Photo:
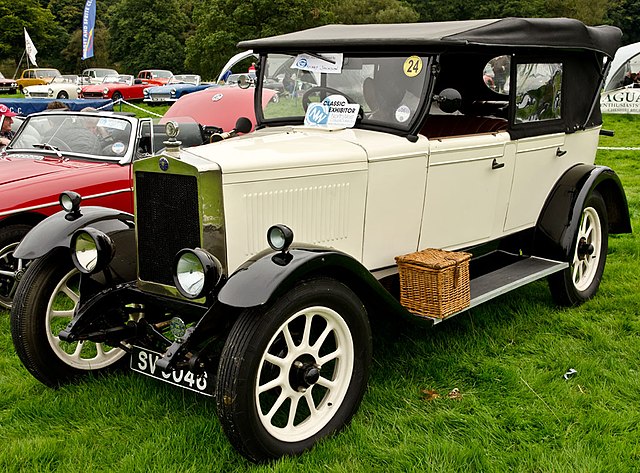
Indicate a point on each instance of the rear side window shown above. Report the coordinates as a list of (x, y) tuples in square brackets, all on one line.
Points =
[(538, 92)]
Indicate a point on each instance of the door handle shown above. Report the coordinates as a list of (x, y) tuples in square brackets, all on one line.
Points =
[(560, 152), (496, 165)]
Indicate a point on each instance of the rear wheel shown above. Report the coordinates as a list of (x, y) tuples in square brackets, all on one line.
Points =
[(11, 269), (45, 302), (581, 280), (296, 372)]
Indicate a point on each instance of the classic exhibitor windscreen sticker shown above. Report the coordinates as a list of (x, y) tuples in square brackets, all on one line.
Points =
[(334, 111)]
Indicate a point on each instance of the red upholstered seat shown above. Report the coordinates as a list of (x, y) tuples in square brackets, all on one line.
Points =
[(441, 126)]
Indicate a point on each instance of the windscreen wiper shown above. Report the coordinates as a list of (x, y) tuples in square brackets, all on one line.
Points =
[(48, 147)]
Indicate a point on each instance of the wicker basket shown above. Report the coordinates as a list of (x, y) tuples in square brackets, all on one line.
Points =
[(434, 283)]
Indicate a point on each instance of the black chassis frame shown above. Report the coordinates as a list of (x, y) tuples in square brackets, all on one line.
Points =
[(110, 301)]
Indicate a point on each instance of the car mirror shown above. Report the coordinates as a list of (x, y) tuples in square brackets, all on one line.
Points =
[(244, 82), (449, 100)]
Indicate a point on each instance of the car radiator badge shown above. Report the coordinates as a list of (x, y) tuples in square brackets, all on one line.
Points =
[(163, 163)]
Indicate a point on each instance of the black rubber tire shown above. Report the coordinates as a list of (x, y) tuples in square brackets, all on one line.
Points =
[(10, 236), (29, 323), (562, 286), (249, 340), (63, 95), (116, 96)]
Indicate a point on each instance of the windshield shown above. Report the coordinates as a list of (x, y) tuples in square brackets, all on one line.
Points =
[(388, 90), (105, 138), (159, 74), (121, 79), (48, 73), (185, 79)]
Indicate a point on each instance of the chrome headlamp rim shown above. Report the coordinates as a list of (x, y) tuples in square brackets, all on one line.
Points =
[(91, 250), (209, 266)]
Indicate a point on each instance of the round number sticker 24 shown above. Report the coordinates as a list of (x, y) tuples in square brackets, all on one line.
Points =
[(412, 66)]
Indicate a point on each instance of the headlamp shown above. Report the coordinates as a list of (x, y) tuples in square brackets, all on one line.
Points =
[(196, 272), (105, 91), (280, 237), (70, 202), (91, 250)]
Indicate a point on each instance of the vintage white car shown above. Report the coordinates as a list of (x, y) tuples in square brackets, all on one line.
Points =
[(254, 264), (61, 87)]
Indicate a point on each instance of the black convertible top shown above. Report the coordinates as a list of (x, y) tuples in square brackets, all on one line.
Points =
[(556, 33)]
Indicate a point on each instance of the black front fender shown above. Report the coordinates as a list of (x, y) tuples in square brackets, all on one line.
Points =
[(56, 231), (269, 275), (561, 214)]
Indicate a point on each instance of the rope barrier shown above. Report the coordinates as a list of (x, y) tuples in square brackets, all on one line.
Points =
[(619, 148), (123, 101)]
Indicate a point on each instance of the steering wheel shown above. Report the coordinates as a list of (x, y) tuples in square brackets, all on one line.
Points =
[(59, 143), (319, 89)]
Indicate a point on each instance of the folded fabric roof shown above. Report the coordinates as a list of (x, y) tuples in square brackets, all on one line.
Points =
[(557, 33)]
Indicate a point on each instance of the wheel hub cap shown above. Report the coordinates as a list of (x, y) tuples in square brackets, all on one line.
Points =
[(304, 375), (585, 249)]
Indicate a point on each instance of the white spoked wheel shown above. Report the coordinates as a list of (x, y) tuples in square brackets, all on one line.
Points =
[(294, 372), (586, 258), (45, 302), (302, 378), (60, 309)]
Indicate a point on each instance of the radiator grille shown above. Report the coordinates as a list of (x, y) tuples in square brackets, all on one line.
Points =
[(167, 220)]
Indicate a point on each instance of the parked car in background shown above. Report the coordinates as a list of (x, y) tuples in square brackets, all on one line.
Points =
[(38, 76), (178, 85), (122, 86), (95, 75), (61, 87), (90, 153), (226, 103), (7, 86), (155, 76)]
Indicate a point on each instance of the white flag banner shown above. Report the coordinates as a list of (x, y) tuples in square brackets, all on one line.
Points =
[(31, 49)]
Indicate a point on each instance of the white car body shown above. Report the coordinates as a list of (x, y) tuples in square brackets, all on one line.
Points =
[(61, 87)]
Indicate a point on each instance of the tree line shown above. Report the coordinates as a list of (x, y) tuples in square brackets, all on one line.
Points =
[(198, 36)]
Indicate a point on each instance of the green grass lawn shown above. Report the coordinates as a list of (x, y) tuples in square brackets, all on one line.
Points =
[(515, 412)]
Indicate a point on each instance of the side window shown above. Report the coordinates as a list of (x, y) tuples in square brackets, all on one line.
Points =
[(538, 92), (496, 74)]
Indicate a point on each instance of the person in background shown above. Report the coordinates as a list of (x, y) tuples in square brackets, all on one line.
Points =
[(56, 105), (6, 133)]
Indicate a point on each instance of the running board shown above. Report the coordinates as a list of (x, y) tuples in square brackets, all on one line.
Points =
[(506, 279)]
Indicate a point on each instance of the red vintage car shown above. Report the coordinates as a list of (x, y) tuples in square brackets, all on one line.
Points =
[(155, 76), (122, 86), (86, 152)]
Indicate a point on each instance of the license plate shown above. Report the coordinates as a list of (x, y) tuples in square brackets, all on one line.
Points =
[(144, 361)]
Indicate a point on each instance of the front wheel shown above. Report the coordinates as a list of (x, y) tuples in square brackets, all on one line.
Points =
[(45, 302), (581, 280), (296, 372), (116, 96)]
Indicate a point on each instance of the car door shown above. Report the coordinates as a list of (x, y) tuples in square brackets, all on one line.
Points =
[(468, 183)]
